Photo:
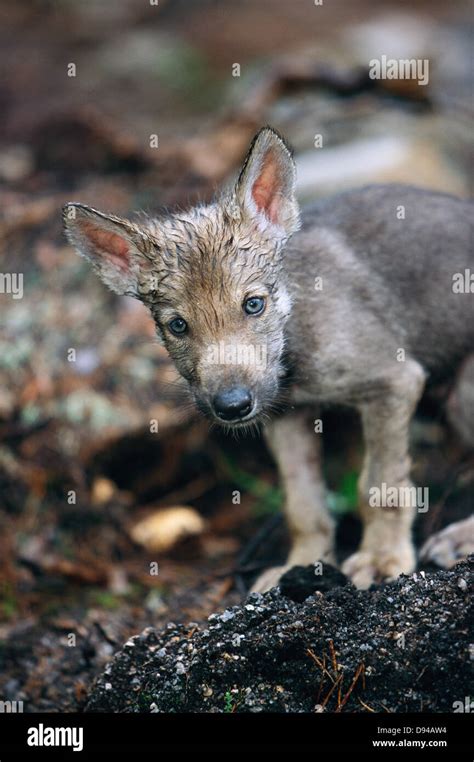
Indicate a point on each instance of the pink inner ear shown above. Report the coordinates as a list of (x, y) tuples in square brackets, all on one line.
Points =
[(111, 245), (266, 188)]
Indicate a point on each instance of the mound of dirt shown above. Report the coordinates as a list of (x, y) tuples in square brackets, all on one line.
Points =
[(399, 647)]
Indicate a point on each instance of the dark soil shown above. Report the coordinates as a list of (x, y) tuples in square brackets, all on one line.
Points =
[(397, 648)]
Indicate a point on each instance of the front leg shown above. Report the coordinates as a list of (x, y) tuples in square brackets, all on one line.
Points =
[(387, 498), (297, 451)]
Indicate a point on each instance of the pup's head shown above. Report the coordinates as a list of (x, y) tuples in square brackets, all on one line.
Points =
[(212, 279)]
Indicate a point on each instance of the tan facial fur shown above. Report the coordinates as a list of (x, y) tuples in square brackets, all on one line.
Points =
[(200, 267)]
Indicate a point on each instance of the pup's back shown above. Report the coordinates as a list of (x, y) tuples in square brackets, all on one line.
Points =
[(399, 253)]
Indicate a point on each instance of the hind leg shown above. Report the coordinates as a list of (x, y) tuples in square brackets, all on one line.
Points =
[(460, 407), (450, 545), (456, 541)]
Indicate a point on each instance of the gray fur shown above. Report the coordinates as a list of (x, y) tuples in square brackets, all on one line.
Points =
[(387, 284)]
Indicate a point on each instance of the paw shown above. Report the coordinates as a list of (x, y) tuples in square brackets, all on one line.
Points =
[(367, 566), (269, 578), (451, 545), (306, 550)]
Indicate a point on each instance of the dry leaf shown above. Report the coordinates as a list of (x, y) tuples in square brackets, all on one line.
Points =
[(162, 530)]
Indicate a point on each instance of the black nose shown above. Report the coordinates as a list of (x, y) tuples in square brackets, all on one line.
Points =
[(233, 404)]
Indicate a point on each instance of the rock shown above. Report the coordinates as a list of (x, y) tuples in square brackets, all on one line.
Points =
[(400, 647)]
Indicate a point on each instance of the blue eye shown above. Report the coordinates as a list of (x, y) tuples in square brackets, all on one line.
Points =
[(254, 305), (178, 326)]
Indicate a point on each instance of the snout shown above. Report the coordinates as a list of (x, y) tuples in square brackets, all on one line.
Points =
[(233, 404)]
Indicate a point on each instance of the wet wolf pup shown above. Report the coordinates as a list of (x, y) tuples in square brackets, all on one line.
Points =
[(265, 312)]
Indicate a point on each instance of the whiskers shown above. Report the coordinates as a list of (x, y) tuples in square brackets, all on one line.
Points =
[(247, 428), (177, 391)]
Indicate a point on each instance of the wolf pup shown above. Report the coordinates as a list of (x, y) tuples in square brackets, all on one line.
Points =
[(357, 302)]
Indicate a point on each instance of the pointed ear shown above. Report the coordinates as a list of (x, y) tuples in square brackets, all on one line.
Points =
[(265, 190), (115, 247)]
